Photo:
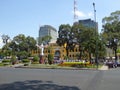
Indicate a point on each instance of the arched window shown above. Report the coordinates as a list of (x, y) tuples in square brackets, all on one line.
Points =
[(57, 53), (73, 55)]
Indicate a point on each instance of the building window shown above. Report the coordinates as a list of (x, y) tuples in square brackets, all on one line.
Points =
[(73, 55), (76, 50)]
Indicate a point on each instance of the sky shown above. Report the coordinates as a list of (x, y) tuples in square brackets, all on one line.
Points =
[(26, 16)]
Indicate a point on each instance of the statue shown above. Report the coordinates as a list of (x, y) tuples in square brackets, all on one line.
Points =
[(41, 54)]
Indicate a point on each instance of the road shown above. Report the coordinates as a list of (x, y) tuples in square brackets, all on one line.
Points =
[(56, 79)]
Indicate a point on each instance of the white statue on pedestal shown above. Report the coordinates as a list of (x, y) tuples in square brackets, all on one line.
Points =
[(41, 47)]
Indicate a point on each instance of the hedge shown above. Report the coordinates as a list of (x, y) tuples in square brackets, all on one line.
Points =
[(26, 62), (6, 62)]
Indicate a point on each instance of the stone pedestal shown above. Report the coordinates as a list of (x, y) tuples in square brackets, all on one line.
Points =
[(41, 61)]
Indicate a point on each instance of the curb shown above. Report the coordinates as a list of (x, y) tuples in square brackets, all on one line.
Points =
[(27, 67)]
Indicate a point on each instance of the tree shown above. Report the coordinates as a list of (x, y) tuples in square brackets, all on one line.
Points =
[(31, 43), (90, 43), (44, 39), (36, 59), (86, 39), (19, 40), (22, 55), (111, 31), (13, 60), (6, 49), (21, 45), (14, 47), (50, 58), (65, 37), (5, 38), (81, 34)]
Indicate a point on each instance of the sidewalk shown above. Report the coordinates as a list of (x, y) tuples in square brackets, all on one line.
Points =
[(104, 67), (17, 65)]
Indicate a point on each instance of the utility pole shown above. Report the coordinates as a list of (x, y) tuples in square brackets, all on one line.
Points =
[(96, 31)]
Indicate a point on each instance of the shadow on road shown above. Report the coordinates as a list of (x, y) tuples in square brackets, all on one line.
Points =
[(35, 85)]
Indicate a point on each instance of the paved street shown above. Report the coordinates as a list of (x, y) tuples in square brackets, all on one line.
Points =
[(55, 79)]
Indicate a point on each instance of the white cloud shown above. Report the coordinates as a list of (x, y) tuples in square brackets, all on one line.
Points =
[(80, 14), (90, 14), (1, 42), (84, 15)]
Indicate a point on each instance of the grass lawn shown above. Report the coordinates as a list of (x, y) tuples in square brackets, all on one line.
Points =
[(1, 64), (48, 66)]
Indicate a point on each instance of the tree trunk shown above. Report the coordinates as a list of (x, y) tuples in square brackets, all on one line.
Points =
[(80, 50), (90, 57), (115, 50), (67, 53)]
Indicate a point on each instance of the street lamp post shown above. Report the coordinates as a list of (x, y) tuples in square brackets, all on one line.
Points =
[(94, 14), (115, 48), (96, 49)]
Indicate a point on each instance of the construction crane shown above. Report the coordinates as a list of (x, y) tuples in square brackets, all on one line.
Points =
[(75, 11)]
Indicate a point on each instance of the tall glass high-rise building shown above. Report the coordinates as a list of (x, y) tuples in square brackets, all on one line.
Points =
[(89, 23), (47, 30)]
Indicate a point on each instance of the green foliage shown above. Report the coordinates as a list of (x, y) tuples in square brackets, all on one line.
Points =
[(111, 31), (1, 64), (13, 59), (25, 60), (50, 59), (31, 42), (20, 43), (1, 54), (5, 38), (35, 63), (44, 39), (65, 37), (35, 59), (6, 62), (63, 34), (111, 26), (118, 50), (22, 55), (66, 57), (87, 39)]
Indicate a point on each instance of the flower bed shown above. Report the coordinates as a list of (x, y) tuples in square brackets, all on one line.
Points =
[(75, 64)]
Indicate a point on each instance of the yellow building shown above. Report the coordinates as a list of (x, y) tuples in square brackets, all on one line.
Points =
[(59, 52)]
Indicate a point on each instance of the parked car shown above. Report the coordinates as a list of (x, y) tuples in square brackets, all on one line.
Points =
[(112, 64)]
